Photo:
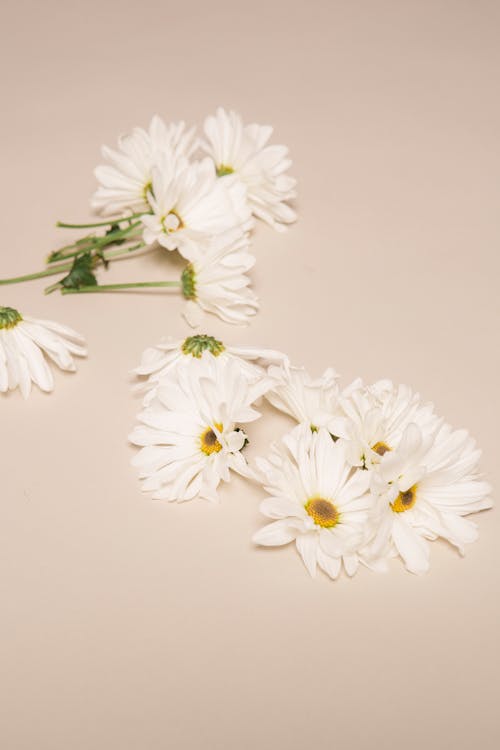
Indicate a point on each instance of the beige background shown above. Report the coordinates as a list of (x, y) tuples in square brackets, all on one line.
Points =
[(127, 624)]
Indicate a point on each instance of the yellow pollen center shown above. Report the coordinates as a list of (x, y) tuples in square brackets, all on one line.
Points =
[(172, 222), (405, 500), (323, 512), (208, 440), (223, 170), (380, 448)]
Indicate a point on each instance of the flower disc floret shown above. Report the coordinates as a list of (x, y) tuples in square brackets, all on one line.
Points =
[(196, 345)]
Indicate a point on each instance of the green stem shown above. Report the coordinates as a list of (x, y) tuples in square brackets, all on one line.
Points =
[(118, 287), (52, 288), (106, 256), (122, 251), (31, 276), (80, 246), (93, 242), (110, 222), (110, 238), (96, 246)]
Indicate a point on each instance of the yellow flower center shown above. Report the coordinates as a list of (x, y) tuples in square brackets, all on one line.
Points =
[(208, 440), (380, 448), (172, 222), (323, 512), (223, 170), (405, 500)]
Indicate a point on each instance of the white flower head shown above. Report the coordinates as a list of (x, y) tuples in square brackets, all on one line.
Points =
[(26, 347), (127, 180), (317, 500), (426, 484), (372, 419), (190, 205), (313, 401), (243, 150), (160, 361), (216, 280), (191, 432)]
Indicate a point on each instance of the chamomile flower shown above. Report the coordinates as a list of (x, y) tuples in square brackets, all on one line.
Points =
[(243, 150), (316, 500), (313, 401), (215, 280), (425, 486), (126, 181), (371, 420), (190, 205), (157, 362), (28, 345), (192, 433)]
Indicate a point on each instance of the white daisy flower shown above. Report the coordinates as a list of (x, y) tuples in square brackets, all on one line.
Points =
[(157, 362), (244, 151), (313, 401), (126, 181), (372, 419), (190, 205), (216, 282), (426, 485), (317, 500), (27, 345), (191, 434)]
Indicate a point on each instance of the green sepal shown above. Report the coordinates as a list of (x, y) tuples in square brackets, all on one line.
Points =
[(196, 345), (188, 282), (9, 317)]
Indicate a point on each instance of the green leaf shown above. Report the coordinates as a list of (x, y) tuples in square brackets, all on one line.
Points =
[(114, 228), (81, 273)]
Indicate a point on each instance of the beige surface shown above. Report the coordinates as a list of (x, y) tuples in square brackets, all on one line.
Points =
[(128, 624)]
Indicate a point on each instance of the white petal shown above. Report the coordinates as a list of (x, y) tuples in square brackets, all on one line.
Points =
[(307, 545), (275, 534), (413, 548), (193, 314)]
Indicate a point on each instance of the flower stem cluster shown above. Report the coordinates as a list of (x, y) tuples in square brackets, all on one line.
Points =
[(166, 187)]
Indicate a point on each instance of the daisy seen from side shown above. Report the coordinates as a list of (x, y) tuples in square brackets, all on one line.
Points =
[(29, 345), (216, 281), (158, 361)]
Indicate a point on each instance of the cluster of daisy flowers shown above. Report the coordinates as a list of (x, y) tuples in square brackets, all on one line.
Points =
[(367, 473), (198, 195)]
